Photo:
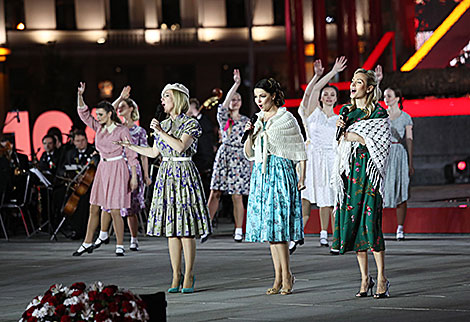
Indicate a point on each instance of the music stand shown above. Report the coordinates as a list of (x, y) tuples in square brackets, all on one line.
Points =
[(49, 188)]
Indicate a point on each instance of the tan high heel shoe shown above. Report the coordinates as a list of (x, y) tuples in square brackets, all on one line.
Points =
[(273, 291)]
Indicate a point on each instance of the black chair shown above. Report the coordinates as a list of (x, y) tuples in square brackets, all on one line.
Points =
[(18, 201)]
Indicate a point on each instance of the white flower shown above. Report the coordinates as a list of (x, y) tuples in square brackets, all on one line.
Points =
[(71, 301), (56, 289)]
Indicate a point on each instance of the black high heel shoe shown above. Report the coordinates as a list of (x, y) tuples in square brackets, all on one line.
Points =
[(384, 294), (299, 242), (370, 285), (88, 250)]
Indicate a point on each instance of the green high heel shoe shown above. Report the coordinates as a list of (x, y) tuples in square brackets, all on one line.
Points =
[(189, 289), (176, 289)]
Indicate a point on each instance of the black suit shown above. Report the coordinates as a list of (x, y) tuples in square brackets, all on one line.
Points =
[(204, 157), (49, 161)]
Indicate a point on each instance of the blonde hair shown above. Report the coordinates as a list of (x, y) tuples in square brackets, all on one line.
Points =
[(135, 116), (180, 102), (373, 96)]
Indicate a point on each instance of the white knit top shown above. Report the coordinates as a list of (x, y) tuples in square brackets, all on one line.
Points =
[(281, 137)]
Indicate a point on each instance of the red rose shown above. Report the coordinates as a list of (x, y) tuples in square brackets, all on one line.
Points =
[(110, 290), (128, 296), (60, 309), (32, 319), (65, 318), (78, 286), (45, 299), (31, 310), (76, 308), (97, 307), (92, 295), (53, 300), (113, 307), (101, 317), (77, 292), (126, 306)]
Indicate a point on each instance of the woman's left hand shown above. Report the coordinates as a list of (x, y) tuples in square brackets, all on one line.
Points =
[(134, 183), (301, 184)]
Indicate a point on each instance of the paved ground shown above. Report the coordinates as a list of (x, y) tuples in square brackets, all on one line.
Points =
[(428, 274)]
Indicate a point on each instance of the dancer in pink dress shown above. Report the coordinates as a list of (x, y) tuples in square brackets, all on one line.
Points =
[(111, 187)]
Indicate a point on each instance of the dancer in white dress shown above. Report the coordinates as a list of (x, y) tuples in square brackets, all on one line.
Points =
[(400, 165), (316, 110)]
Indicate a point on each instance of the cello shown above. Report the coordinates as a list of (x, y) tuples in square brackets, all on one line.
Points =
[(80, 185)]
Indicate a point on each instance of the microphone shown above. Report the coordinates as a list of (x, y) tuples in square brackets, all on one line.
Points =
[(340, 130), (253, 120)]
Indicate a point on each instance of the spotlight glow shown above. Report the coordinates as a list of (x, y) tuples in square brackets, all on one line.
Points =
[(462, 165)]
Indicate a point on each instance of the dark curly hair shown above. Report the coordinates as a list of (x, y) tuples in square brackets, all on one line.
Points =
[(271, 86), (108, 107)]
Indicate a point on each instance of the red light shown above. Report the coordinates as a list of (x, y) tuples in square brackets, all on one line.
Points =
[(462, 165), (463, 206)]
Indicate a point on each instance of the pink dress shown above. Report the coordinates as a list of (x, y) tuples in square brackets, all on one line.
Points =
[(110, 188)]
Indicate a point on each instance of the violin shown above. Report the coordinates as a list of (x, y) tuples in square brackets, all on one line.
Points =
[(212, 101), (80, 185)]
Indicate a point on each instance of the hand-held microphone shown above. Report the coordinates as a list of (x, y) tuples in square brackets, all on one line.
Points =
[(340, 130), (253, 120)]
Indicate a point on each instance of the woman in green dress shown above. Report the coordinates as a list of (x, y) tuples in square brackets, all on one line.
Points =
[(358, 178)]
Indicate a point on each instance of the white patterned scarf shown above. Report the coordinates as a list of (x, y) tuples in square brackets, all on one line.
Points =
[(281, 137), (376, 134)]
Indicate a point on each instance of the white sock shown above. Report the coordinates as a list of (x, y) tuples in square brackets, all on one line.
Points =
[(83, 246), (103, 235), (324, 234), (134, 240), (400, 228), (238, 231), (119, 248)]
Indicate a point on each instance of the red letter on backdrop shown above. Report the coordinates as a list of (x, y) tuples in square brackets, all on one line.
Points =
[(44, 122)]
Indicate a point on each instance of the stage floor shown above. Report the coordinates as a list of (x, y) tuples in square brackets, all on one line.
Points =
[(428, 274)]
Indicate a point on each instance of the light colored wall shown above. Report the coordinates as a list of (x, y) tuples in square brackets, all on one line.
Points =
[(150, 14), (89, 14), (263, 12), (212, 13), (39, 14), (3, 33)]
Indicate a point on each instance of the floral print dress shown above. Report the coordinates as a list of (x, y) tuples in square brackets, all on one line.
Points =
[(231, 172), (358, 222), (274, 211), (178, 206)]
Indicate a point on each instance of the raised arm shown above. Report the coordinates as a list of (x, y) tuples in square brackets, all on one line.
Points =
[(304, 107), (151, 152), (237, 81), (314, 101), (124, 94), (83, 111)]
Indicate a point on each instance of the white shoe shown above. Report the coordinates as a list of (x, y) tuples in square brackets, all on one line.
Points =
[(238, 237), (120, 251), (324, 238), (204, 238), (134, 246), (400, 235)]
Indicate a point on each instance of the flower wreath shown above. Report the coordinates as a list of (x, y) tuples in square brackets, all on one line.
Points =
[(79, 303)]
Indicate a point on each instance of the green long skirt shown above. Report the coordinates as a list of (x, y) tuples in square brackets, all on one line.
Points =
[(358, 222)]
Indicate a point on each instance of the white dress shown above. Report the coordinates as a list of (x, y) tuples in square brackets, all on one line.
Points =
[(320, 158)]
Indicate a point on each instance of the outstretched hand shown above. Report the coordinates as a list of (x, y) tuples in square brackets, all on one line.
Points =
[(340, 64), (318, 68), (378, 73), (236, 76), (81, 88), (126, 92), (124, 143)]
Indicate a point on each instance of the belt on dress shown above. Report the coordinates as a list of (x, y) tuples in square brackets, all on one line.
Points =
[(176, 159), (395, 142), (112, 159)]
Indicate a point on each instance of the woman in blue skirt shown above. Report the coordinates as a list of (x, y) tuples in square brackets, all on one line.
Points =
[(274, 211)]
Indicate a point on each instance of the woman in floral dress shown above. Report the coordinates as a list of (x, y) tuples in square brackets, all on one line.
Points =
[(178, 209), (231, 172), (274, 212), (358, 176)]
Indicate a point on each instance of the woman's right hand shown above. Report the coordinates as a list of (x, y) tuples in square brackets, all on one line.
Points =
[(236, 76), (318, 68), (340, 64), (249, 126), (340, 122), (126, 92), (81, 89), (155, 125)]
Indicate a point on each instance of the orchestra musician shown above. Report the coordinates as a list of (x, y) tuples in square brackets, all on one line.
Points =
[(49, 158)]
